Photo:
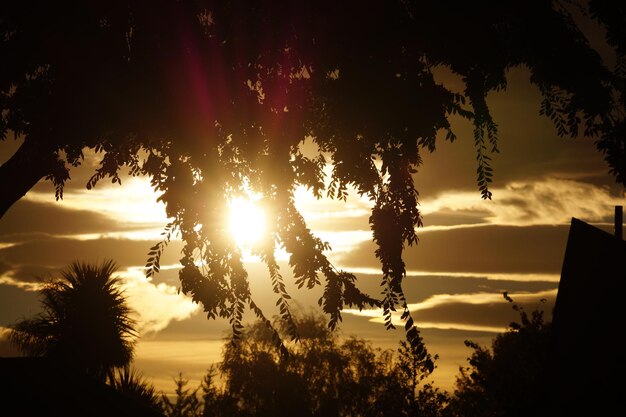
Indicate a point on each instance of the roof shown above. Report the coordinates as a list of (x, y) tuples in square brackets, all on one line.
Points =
[(588, 320), (593, 281)]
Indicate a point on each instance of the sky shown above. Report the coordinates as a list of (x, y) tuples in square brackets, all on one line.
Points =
[(470, 250)]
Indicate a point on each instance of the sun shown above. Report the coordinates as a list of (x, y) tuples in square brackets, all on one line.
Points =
[(246, 222)]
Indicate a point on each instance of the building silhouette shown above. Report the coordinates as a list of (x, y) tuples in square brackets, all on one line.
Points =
[(589, 321)]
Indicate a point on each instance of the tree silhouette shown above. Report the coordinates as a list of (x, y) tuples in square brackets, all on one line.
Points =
[(322, 376), (132, 384), (213, 99), (513, 378), (85, 322), (186, 403), (413, 366)]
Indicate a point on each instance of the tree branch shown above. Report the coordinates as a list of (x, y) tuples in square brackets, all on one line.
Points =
[(22, 171)]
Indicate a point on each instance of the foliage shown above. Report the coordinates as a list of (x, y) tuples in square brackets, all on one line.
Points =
[(322, 376), (186, 404), (213, 100), (215, 403), (132, 384), (511, 378), (413, 366), (85, 322)]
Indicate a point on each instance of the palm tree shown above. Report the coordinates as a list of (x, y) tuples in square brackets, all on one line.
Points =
[(86, 322)]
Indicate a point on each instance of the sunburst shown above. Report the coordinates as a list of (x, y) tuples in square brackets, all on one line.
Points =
[(247, 222)]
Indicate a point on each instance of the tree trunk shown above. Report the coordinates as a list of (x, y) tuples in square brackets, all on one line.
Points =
[(30, 163)]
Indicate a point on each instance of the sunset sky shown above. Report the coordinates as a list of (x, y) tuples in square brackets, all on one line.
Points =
[(470, 250)]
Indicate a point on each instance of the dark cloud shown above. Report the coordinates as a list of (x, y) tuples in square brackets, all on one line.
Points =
[(31, 273), (418, 288), (480, 249), (460, 315), (59, 252), (23, 237), (4, 267), (17, 303), (28, 217), (494, 314)]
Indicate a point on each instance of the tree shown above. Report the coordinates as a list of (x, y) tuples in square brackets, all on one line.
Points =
[(321, 376), (215, 402), (213, 100), (186, 403), (85, 323), (513, 378), (132, 384), (258, 382), (412, 367)]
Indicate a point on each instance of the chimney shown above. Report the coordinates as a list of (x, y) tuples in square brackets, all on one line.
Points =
[(618, 222)]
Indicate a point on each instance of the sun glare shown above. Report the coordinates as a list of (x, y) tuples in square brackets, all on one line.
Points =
[(246, 222)]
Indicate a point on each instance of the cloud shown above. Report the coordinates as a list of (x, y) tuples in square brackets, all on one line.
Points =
[(133, 202), (59, 252), (79, 176), (28, 277), (478, 249), (461, 302), (327, 214), (31, 217), (443, 215), (4, 267), (16, 303), (107, 207), (479, 311), (546, 201), (418, 288), (338, 223), (156, 305)]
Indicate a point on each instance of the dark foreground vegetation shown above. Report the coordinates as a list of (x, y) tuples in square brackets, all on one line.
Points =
[(329, 376), (322, 374)]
